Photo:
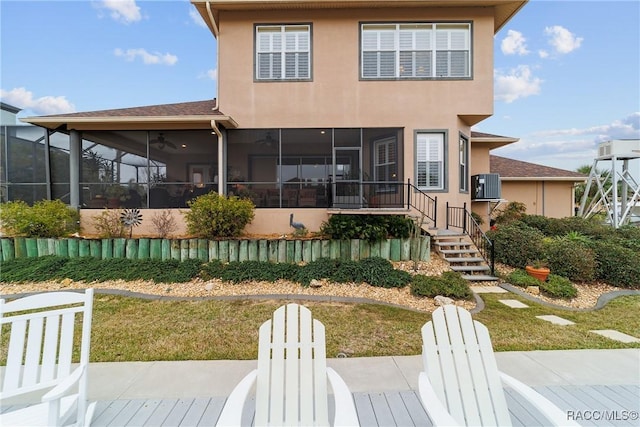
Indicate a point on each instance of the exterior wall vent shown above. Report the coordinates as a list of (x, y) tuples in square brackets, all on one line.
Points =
[(485, 186)]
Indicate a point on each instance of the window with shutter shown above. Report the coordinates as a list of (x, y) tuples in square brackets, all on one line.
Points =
[(283, 52), (430, 161), (415, 51), (464, 163)]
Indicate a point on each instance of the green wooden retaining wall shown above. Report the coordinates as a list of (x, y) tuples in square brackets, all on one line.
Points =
[(279, 250)]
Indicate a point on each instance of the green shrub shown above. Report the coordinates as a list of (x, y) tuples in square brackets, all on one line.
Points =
[(31, 269), (516, 244), (212, 270), (380, 272), (319, 269), (558, 287), (367, 227), (213, 215), (617, 265), (46, 218), (513, 211), (521, 279), (449, 284), (571, 257), (347, 271)]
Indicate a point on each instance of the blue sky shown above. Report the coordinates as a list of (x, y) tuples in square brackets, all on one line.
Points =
[(567, 73)]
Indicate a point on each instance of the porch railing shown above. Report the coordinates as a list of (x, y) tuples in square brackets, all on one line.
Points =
[(389, 195), (460, 217)]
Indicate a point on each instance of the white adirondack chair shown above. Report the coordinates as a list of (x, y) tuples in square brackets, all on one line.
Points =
[(462, 384), (39, 354), (291, 378)]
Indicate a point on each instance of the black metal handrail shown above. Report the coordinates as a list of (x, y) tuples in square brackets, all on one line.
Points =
[(460, 217), (422, 202)]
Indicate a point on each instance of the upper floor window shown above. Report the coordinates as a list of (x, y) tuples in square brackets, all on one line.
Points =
[(415, 50), (283, 52)]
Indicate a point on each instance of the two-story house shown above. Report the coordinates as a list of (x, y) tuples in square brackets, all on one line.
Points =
[(322, 107)]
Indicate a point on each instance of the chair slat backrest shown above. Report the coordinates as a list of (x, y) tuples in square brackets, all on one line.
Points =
[(461, 366), (292, 379), (42, 338)]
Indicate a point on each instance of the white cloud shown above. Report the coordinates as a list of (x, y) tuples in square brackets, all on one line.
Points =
[(22, 98), (125, 11), (147, 58), (514, 43), (626, 128), (543, 53), (195, 17), (210, 74), (562, 40), (518, 83)]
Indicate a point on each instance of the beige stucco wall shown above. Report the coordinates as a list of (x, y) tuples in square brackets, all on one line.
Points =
[(336, 97), (553, 199), (267, 222)]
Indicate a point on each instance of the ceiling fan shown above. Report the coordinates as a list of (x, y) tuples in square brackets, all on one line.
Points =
[(162, 142), (268, 140)]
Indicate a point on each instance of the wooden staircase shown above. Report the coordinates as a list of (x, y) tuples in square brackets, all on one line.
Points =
[(462, 255)]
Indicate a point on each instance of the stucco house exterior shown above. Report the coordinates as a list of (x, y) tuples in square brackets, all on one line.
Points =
[(544, 190), (322, 108)]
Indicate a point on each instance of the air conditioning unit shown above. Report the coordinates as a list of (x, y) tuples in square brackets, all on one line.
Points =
[(485, 186), (619, 148)]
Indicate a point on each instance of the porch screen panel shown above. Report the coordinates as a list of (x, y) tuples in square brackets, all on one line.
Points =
[(430, 161)]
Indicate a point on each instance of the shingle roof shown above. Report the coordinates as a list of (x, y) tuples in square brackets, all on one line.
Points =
[(194, 108), (510, 168)]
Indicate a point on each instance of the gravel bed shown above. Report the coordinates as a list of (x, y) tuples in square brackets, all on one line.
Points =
[(587, 293)]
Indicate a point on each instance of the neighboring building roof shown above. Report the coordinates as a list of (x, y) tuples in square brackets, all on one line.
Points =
[(181, 115), (10, 108), (503, 10), (517, 170)]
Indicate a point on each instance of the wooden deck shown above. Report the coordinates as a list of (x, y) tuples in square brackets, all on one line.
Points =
[(611, 405)]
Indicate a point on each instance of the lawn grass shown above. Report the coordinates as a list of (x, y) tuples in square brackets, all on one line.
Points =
[(129, 329), (132, 329)]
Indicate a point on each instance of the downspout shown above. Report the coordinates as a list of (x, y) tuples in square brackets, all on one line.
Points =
[(216, 33), (221, 176)]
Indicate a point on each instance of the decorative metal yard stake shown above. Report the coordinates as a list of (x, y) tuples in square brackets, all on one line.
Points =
[(131, 218)]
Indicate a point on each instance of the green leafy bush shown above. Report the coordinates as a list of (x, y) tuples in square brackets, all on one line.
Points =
[(449, 284), (617, 265), (516, 244), (31, 269), (380, 272), (513, 211), (571, 257), (521, 279), (558, 287), (319, 269), (46, 218), (213, 215), (367, 227)]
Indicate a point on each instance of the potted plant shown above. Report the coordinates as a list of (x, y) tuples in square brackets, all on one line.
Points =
[(538, 269), (116, 194)]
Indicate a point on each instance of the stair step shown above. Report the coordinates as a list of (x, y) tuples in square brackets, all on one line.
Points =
[(464, 259), (470, 268), (479, 278), (450, 244), (458, 251)]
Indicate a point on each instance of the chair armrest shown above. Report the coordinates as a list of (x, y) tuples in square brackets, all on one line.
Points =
[(232, 411), (59, 390), (554, 414), (346, 414), (438, 413)]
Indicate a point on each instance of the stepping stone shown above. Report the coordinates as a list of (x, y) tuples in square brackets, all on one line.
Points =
[(556, 320), (488, 290), (616, 335), (513, 303)]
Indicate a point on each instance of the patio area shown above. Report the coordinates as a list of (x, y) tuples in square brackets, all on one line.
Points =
[(594, 387)]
